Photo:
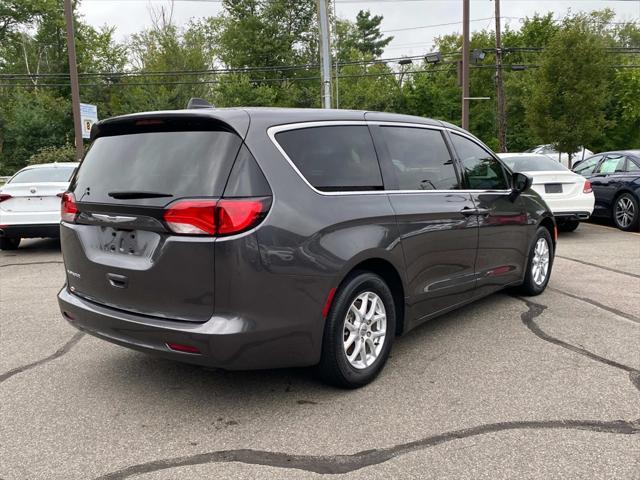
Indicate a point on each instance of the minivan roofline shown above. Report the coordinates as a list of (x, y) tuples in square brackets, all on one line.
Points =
[(239, 119)]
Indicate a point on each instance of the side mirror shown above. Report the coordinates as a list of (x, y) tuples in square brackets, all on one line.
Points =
[(521, 182)]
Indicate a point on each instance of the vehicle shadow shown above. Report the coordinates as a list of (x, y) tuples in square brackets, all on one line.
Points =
[(34, 247), (128, 374)]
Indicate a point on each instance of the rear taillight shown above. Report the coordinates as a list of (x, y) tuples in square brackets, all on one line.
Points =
[(196, 217), (235, 216), (4, 196), (210, 217), (587, 187), (68, 208)]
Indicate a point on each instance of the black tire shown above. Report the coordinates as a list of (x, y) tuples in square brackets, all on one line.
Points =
[(632, 204), (530, 287), (334, 367), (11, 243), (568, 225)]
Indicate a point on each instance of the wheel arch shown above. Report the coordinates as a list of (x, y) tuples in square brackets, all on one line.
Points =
[(390, 274), (550, 224)]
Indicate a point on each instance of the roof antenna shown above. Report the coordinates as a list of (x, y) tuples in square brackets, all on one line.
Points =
[(198, 103)]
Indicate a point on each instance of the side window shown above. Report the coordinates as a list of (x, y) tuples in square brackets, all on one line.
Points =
[(483, 171), (632, 166), (334, 158), (586, 167), (548, 150), (612, 164), (420, 159)]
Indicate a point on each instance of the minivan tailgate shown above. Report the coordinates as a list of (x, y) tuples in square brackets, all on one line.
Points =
[(118, 249), (140, 271)]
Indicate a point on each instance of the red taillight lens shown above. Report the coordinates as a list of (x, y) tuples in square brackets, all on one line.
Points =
[(196, 217), (210, 217), (4, 196), (68, 208), (587, 187), (235, 216)]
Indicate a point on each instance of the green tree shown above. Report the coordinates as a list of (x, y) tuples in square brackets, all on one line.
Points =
[(364, 37), (16, 14), (570, 90)]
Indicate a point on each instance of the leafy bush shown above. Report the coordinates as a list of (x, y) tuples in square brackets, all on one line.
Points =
[(65, 153)]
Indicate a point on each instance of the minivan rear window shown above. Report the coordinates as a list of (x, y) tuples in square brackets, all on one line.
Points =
[(334, 158), (178, 164)]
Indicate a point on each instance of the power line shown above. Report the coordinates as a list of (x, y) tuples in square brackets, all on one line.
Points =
[(293, 79), (276, 69)]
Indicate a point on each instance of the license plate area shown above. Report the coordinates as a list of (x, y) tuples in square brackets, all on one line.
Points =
[(553, 188), (125, 242)]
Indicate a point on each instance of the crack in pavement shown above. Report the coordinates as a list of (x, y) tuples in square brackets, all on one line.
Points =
[(30, 263), (61, 351), (615, 311), (340, 464), (622, 272), (534, 310)]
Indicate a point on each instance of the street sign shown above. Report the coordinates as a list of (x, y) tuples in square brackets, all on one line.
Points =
[(88, 116)]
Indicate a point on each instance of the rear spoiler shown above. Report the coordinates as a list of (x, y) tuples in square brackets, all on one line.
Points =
[(232, 120)]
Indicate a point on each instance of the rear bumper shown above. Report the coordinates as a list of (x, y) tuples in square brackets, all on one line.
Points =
[(578, 207), (47, 230), (230, 343), (563, 216)]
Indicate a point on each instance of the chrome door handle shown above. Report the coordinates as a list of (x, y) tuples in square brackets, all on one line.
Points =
[(467, 212)]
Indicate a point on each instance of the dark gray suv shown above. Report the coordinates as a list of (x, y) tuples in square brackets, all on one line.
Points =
[(263, 238)]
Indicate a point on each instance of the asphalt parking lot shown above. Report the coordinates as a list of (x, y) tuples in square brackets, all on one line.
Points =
[(545, 387)]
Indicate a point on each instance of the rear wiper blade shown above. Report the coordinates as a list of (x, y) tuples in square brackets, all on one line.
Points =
[(134, 194)]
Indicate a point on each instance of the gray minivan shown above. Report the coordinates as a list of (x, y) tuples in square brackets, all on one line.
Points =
[(262, 238)]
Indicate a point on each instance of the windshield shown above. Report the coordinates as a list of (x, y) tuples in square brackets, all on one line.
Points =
[(536, 163), (43, 175)]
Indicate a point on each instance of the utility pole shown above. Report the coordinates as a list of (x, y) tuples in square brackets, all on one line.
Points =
[(73, 74), (502, 118), (324, 53), (465, 64)]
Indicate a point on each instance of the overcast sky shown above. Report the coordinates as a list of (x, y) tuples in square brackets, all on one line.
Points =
[(130, 16)]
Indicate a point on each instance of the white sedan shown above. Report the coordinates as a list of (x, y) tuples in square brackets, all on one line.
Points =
[(568, 194), (30, 203), (552, 153)]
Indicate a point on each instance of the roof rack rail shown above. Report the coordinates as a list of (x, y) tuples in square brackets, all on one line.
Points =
[(198, 103)]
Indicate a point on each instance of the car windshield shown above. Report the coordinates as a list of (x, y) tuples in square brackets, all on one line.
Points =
[(44, 174), (536, 163)]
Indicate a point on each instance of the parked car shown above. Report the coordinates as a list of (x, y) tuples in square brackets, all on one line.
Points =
[(263, 238), (615, 179), (30, 203), (563, 158), (568, 194)]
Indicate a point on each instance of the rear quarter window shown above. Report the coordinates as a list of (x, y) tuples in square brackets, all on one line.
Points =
[(334, 158)]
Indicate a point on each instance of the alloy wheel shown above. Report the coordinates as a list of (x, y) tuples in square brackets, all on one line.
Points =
[(540, 265), (625, 212), (365, 330)]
